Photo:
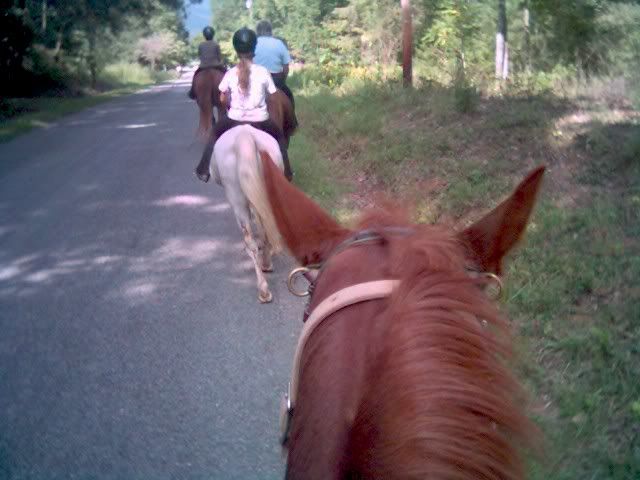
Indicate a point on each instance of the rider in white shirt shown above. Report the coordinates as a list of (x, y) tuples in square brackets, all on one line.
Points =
[(244, 89)]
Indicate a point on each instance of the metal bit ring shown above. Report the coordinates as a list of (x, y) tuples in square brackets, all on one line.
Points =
[(495, 279), (295, 273)]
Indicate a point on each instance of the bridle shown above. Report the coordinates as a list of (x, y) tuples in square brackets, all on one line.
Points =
[(354, 294)]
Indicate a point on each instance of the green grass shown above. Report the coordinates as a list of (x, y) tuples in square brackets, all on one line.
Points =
[(123, 74), (19, 115), (572, 289), (312, 174), (615, 149)]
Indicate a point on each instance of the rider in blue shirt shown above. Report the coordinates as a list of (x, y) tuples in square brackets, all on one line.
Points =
[(273, 54)]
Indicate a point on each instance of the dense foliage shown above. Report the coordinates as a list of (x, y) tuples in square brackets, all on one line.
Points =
[(454, 40), (546, 38), (51, 43)]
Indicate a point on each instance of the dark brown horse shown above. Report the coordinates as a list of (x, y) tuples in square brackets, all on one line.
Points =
[(414, 385), (282, 113), (205, 87)]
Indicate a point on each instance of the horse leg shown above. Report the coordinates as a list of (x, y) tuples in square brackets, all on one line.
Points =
[(266, 250), (264, 295), (205, 117), (240, 207)]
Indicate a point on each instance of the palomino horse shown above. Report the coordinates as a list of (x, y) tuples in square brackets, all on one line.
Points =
[(205, 87), (400, 371), (237, 161)]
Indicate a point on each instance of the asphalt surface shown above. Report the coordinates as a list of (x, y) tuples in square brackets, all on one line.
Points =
[(132, 344)]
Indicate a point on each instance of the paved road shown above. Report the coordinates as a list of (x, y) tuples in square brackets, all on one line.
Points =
[(132, 345)]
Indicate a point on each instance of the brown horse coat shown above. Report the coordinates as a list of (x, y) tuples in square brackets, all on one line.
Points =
[(282, 113), (205, 87)]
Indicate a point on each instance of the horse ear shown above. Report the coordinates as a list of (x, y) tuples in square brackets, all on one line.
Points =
[(492, 237), (307, 230)]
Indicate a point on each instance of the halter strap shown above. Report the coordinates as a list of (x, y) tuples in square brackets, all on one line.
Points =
[(346, 297)]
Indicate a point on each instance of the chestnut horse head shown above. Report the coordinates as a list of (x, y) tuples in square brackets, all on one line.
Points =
[(414, 383), (205, 87)]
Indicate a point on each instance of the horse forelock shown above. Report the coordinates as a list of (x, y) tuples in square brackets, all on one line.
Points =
[(442, 399)]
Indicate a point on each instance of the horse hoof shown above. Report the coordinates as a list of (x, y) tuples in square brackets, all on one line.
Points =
[(265, 298), (204, 177)]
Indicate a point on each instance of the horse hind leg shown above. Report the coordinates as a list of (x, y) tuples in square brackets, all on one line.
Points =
[(265, 249), (264, 294), (242, 212), (206, 116)]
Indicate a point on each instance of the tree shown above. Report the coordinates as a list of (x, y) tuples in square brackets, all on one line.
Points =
[(407, 43), (502, 45), (16, 37), (81, 27), (154, 47), (526, 25)]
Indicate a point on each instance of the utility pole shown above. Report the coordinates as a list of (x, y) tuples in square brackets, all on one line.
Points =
[(249, 4), (407, 43)]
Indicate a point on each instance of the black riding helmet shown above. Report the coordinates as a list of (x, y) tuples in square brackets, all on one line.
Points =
[(245, 40), (208, 33)]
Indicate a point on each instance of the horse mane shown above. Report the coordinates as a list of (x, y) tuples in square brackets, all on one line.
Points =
[(442, 402)]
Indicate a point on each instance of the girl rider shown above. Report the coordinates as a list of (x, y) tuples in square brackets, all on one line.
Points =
[(244, 89)]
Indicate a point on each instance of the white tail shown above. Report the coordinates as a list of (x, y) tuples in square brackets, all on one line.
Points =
[(251, 180)]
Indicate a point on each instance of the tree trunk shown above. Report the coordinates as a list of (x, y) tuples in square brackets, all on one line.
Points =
[(93, 60), (43, 23), (526, 18), (407, 43), (502, 46), (56, 51)]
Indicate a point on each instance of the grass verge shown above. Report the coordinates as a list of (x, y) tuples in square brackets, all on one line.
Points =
[(19, 115)]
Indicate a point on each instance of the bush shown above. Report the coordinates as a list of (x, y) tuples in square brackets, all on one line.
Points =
[(465, 97), (124, 74)]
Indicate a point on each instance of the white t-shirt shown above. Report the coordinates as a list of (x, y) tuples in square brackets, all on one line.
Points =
[(250, 107)]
